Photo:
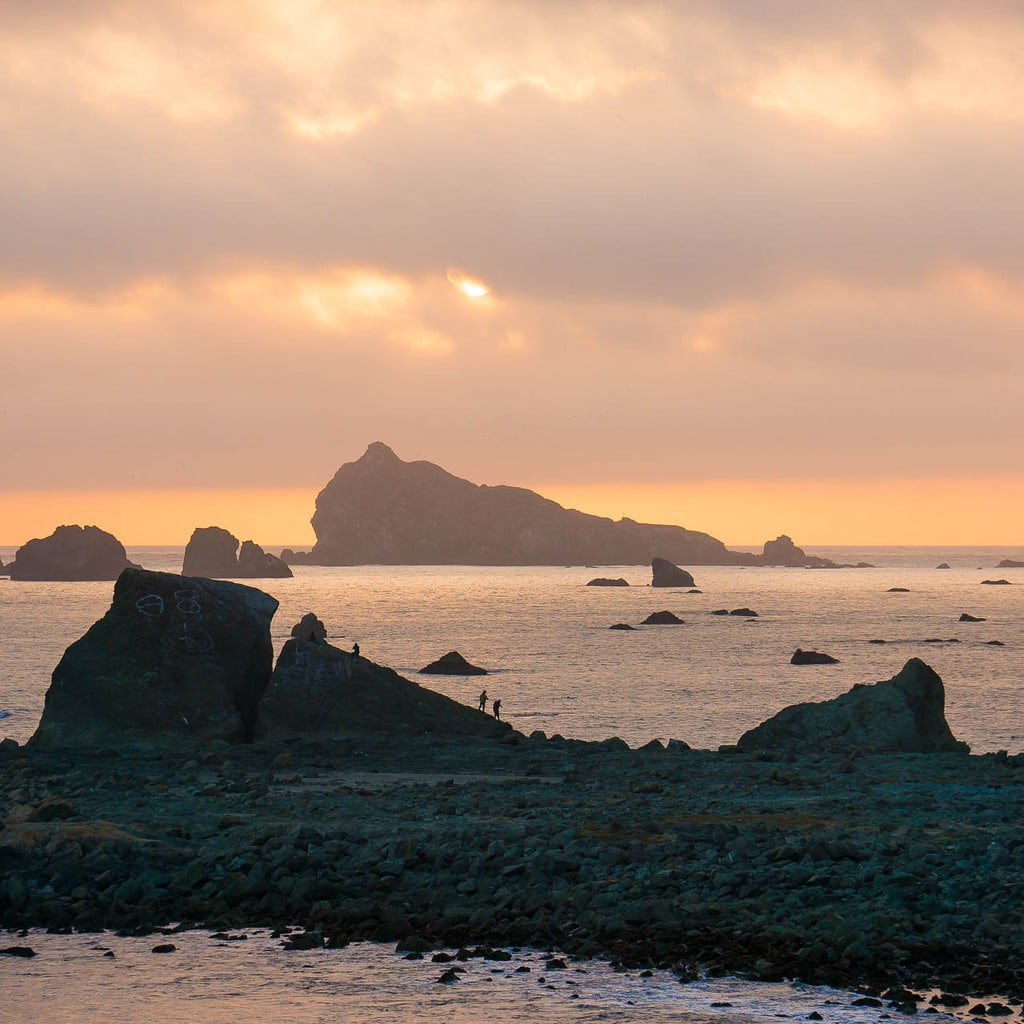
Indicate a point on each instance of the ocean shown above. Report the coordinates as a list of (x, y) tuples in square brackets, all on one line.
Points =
[(543, 636)]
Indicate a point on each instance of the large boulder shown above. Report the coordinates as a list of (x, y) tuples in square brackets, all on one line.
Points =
[(211, 551), (319, 692), (174, 661), (70, 553), (309, 627), (905, 714), (665, 574)]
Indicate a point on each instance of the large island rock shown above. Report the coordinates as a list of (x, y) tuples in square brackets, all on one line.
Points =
[(904, 714), (319, 692), (382, 510), (70, 553), (174, 661), (453, 664), (782, 551), (665, 574), (211, 552)]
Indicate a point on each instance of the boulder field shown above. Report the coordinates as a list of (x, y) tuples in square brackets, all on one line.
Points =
[(368, 807)]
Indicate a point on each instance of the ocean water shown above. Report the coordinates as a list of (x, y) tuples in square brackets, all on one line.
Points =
[(543, 635), (555, 665)]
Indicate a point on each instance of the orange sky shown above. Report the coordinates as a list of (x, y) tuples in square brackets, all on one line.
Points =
[(722, 244)]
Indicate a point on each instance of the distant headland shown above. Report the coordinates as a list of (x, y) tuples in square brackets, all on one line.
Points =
[(383, 511)]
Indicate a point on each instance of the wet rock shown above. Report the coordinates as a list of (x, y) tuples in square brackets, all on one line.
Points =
[(449, 977), (905, 713), (967, 617), (174, 661), (622, 625), (665, 618), (165, 947), (666, 574), (747, 613), (453, 664), (997, 583), (898, 590), (25, 952), (801, 657), (603, 581)]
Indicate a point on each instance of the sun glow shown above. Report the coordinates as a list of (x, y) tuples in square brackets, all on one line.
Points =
[(469, 286)]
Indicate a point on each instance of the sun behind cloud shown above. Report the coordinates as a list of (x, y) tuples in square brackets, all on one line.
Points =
[(471, 287)]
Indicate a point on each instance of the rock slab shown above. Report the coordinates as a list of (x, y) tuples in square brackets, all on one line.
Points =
[(175, 661), (905, 714), (319, 692)]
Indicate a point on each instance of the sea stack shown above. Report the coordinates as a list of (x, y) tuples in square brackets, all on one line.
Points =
[(211, 552), (70, 553), (665, 574)]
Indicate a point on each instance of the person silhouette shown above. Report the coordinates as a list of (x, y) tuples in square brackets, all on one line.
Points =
[(355, 650), (483, 701), (497, 709)]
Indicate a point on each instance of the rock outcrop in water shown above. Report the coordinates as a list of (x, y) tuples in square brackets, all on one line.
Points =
[(802, 657), (905, 714), (453, 664), (382, 510), (603, 581), (174, 661), (211, 552), (70, 553), (665, 574), (320, 692)]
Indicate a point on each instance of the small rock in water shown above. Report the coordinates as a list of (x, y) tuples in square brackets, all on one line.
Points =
[(662, 619), (165, 947), (801, 657), (603, 581), (996, 583), (622, 625), (967, 617), (898, 590), (449, 977), (22, 951), (745, 612)]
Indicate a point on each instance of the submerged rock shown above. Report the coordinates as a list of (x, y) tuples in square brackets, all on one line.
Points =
[(903, 714), (175, 660), (801, 657), (665, 574), (71, 553), (453, 664)]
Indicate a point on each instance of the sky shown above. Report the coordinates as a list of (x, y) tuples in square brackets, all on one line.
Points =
[(746, 266)]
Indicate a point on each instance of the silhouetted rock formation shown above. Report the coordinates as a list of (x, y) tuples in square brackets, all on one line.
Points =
[(382, 510), (622, 625), (782, 551), (997, 583), (942, 565), (662, 619), (665, 574), (967, 617), (211, 552), (319, 692), (309, 626), (902, 714), (603, 581), (70, 553), (812, 658), (747, 613), (898, 590), (453, 664), (1009, 563), (175, 660)]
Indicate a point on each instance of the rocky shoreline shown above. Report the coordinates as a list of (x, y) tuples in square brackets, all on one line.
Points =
[(883, 872)]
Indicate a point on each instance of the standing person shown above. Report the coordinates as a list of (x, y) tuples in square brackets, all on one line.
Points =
[(483, 701), (497, 709), (355, 650)]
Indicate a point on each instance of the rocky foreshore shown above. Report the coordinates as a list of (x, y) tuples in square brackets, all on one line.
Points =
[(886, 872)]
